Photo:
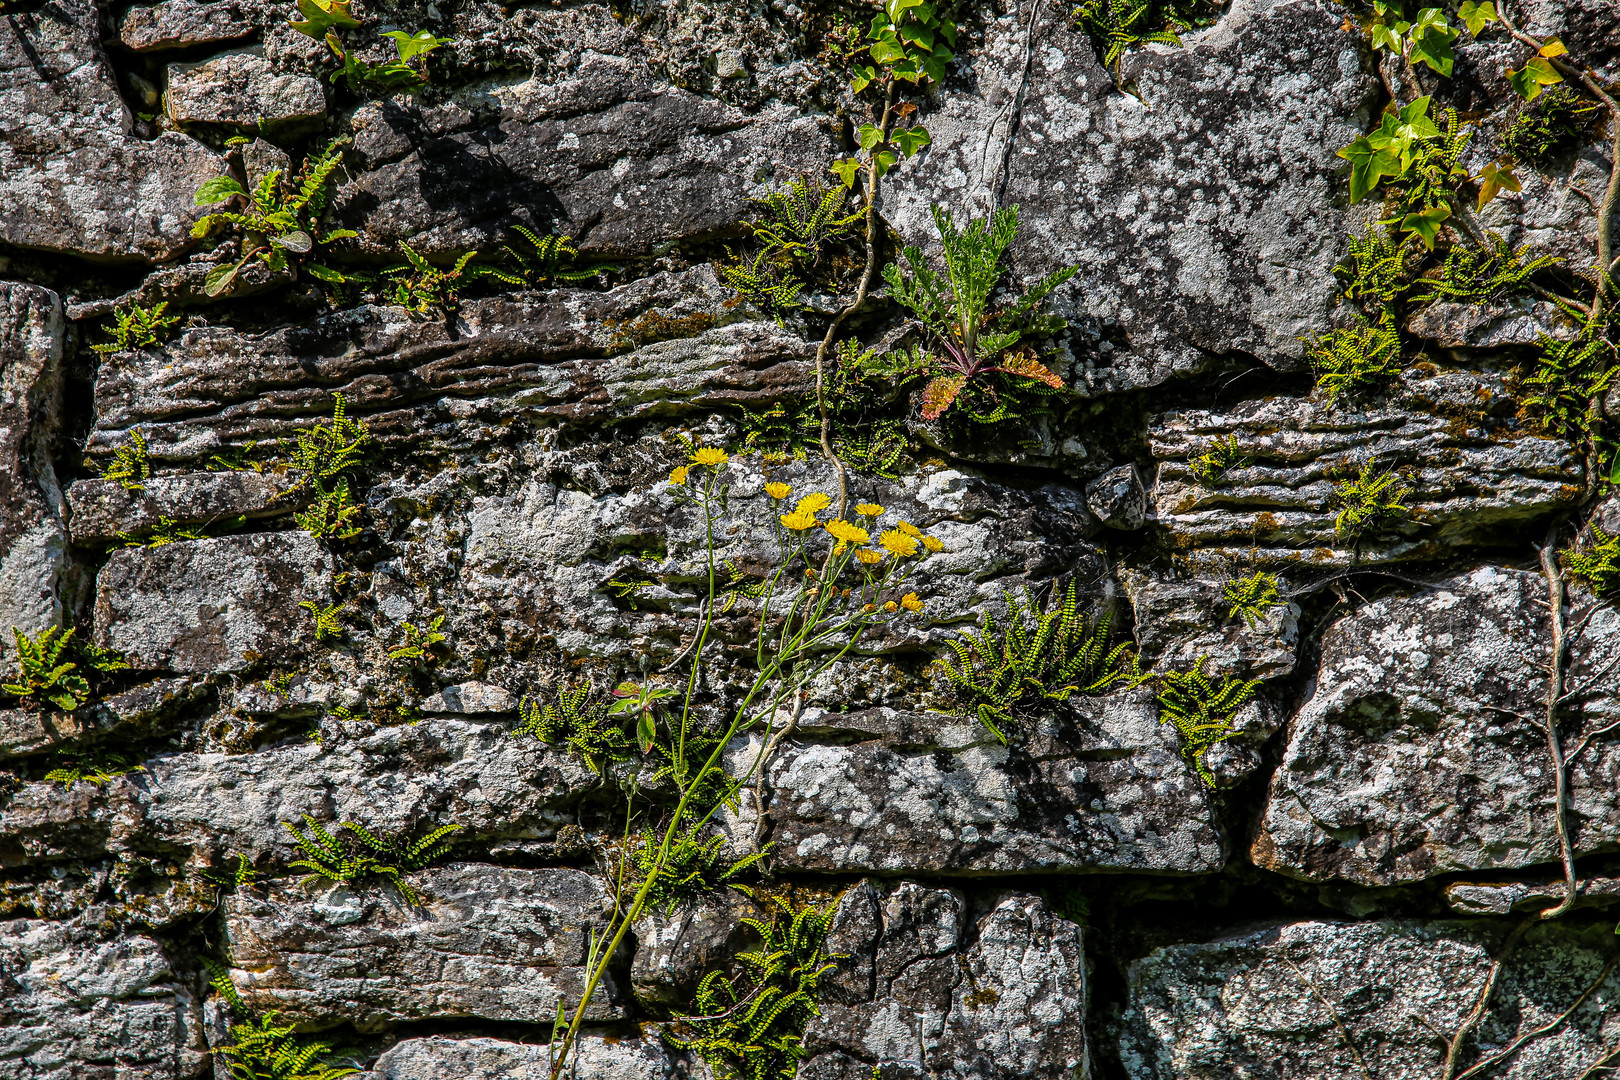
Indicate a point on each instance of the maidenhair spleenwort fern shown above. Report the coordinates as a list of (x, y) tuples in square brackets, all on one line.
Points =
[(362, 857), (574, 720), (691, 869), (749, 1027), (1597, 564), (1039, 654), (262, 1049), (1202, 711)]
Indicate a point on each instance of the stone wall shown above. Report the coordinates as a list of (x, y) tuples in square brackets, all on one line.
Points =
[(1345, 887)]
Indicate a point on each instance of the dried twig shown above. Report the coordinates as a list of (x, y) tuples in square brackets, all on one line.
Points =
[(1333, 1014)]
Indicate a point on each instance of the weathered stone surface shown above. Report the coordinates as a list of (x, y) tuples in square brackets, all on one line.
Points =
[(1478, 898), (674, 950), (622, 163), (32, 538), (1416, 752), (646, 1058), (1102, 788), (182, 24), (487, 941), (998, 993), (72, 176), (471, 698), (210, 806), (212, 605), (1477, 474), (132, 713), (1270, 1003), (242, 89), (1490, 326), (1179, 619), (1202, 214), (1118, 498), (74, 1007), (101, 509)]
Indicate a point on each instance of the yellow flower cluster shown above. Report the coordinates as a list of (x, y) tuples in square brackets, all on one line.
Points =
[(709, 455)]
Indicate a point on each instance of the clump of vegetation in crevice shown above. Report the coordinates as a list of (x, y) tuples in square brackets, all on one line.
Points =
[(1202, 708), (1118, 26), (1551, 126), (362, 857)]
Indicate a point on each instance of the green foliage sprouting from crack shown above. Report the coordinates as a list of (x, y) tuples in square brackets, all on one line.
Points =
[(130, 467), (328, 449), (325, 20), (1416, 163), (85, 768), (1545, 129), (1348, 361), (332, 515), (1116, 26), (751, 1027), (1564, 388), (535, 260), (1201, 710), (1377, 270), (263, 1049), (327, 622), (796, 234), (420, 642), (1252, 597), (574, 719), (1481, 274), (136, 327), (1219, 457), (1369, 501), (691, 869), (43, 672), (425, 290), (361, 857), (984, 366), (278, 221), (1597, 563), (1038, 653)]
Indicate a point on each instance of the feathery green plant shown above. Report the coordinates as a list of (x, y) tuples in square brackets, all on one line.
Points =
[(542, 260), (751, 1028), (278, 221), (1039, 653), (1416, 161), (1218, 458), (420, 641), (129, 466), (263, 1049), (1480, 274), (136, 327), (1202, 710), (1549, 126), (362, 857), (331, 515), (423, 289), (800, 221), (580, 723), (42, 673), (1347, 361), (977, 366), (1598, 564), (322, 452), (691, 869), (767, 283), (327, 623), (74, 768), (1562, 391), (1375, 272), (1252, 597), (234, 878), (1370, 499), (166, 531), (1118, 25)]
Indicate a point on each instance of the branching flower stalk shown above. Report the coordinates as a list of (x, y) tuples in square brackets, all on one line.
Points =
[(808, 620)]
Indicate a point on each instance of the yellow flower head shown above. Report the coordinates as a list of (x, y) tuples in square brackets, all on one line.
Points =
[(868, 556), (678, 475), (847, 533), (898, 544), (910, 530), (814, 503), (891, 606), (778, 490), (932, 543), (869, 510), (709, 455), (910, 602), (799, 520)]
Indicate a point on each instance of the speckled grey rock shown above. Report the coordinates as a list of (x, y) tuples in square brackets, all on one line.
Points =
[(1411, 757), (32, 537), (243, 90), (133, 713), (471, 698), (1118, 498), (1104, 787), (1202, 215), (1179, 619), (1490, 326), (998, 993), (73, 177), (674, 950), (101, 509), (1268, 1004), (212, 605), (212, 806), (487, 941), (73, 1007), (1476, 472), (612, 1058), (1505, 898), (183, 24)]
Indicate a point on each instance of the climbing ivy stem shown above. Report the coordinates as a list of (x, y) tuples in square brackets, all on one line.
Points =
[(1555, 692)]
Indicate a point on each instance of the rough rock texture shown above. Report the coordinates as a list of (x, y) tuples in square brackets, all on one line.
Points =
[(71, 1007), (1284, 1001), (243, 90), (608, 1058), (179, 24), (485, 942), (101, 509), (32, 537), (1411, 757)]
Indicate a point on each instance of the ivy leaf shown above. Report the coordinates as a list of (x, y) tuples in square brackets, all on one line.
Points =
[(1475, 16), (1367, 166), (216, 190), (870, 136), (1426, 223), (1554, 47), (1494, 180), (1385, 38), (323, 16), (1431, 41), (846, 169), (910, 140), (413, 45), (884, 159), (1528, 80), (940, 393), (1614, 470), (862, 77)]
